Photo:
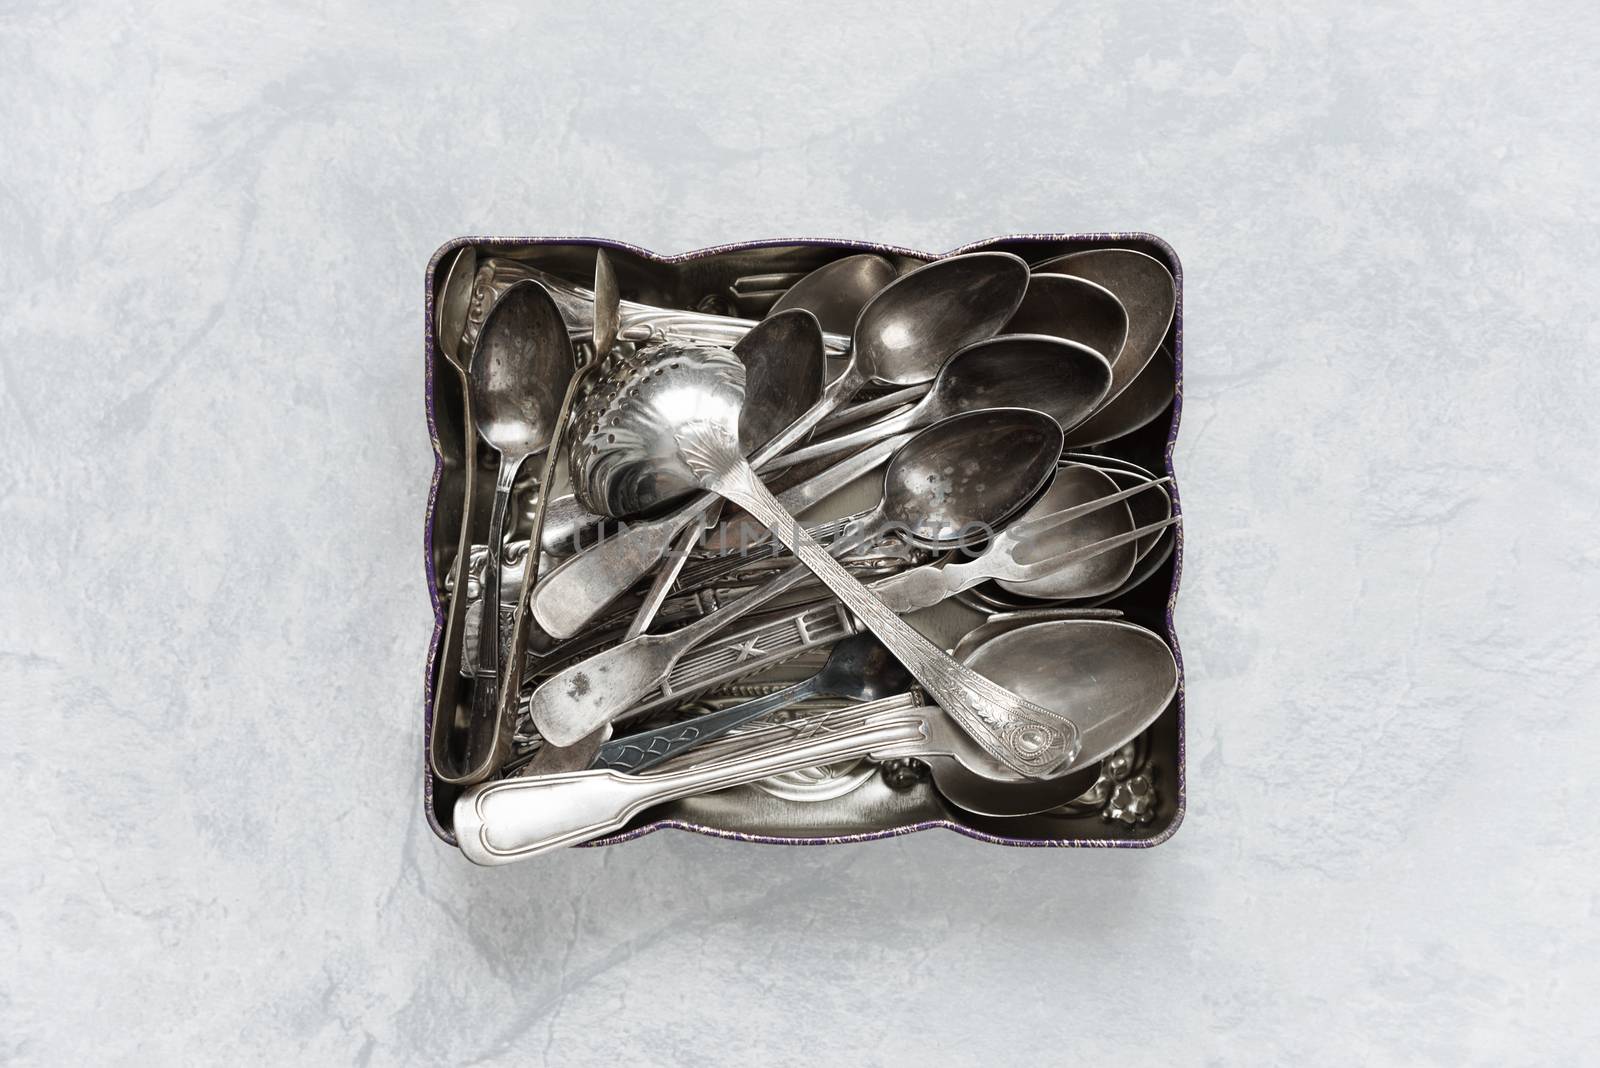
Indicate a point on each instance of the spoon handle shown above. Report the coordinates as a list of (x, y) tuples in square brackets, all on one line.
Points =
[(1028, 738), (637, 752), (856, 439), (586, 696), (489, 628), (573, 593), (500, 822)]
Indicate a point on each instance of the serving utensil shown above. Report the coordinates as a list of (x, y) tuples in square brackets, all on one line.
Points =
[(978, 487), (903, 336), (677, 424)]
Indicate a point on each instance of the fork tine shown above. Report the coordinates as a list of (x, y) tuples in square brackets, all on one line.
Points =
[(1039, 525), (1039, 568)]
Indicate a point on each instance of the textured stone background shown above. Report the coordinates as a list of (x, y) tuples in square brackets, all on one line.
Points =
[(214, 221)]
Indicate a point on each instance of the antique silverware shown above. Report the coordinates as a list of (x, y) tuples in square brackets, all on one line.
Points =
[(836, 292), (523, 360), (506, 821), (607, 322), (1146, 289), (1116, 677), (979, 488), (1145, 398), (676, 424), (903, 336), (1066, 306), (858, 669), (1061, 378)]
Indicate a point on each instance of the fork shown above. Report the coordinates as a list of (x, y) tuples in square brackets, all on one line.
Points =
[(926, 586)]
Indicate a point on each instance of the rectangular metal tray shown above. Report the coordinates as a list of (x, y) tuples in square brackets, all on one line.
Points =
[(704, 279)]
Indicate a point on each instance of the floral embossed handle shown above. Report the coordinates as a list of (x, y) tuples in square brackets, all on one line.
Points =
[(1030, 739)]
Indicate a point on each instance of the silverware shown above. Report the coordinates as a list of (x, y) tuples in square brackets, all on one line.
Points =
[(1063, 379), (676, 423), (836, 292), (1032, 535), (1146, 289), (1145, 398), (858, 669), (1116, 677), (523, 358), (1064, 305), (902, 336), (501, 822), (977, 488), (639, 322)]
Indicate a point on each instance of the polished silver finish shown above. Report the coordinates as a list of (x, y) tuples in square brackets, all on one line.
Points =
[(522, 361), (1063, 305), (677, 423), (858, 669), (1146, 289), (836, 292), (904, 334), (945, 483), (1063, 379)]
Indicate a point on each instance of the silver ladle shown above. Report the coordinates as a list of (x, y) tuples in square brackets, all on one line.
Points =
[(982, 489), (677, 424), (903, 336)]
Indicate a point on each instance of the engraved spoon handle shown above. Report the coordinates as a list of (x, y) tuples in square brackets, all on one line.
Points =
[(570, 595), (499, 822), (1028, 738)]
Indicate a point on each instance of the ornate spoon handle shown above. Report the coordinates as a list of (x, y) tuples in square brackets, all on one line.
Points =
[(1030, 739), (504, 821)]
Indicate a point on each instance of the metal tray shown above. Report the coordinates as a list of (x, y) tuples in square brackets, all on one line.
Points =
[(705, 280)]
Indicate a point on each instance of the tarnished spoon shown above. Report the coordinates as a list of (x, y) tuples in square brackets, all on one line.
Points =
[(902, 337), (1063, 305), (677, 423), (1117, 678), (968, 473), (519, 371), (1063, 379), (836, 292), (1147, 291), (1145, 398)]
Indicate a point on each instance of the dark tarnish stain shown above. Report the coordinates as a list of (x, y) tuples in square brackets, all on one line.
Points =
[(579, 687)]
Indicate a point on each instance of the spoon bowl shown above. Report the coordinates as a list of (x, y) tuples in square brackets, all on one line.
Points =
[(1116, 677), (520, 370), (1063, 305), (1063, 379), (836, 292), (915, 322), (1146, 289)]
